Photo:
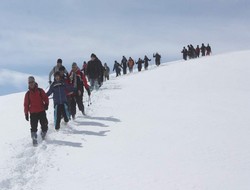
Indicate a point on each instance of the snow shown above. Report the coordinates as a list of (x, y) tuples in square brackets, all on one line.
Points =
[(183, 125)]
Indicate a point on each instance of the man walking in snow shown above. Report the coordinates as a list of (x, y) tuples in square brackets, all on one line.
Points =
[(124, 65), (117, 68), (157, 57), (146, 60), (95, 71), (55, 69), (35, 104)]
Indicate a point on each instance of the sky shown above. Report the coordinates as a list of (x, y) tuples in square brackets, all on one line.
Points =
[(34, 34)]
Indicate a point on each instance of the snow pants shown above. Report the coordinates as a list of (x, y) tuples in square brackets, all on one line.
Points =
[(60, 111), (76, 100), (94, 84), (38, 117)]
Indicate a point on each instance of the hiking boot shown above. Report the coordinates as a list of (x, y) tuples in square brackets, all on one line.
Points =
[(57, 128), (43, 134), (83, 113), (34, 138)]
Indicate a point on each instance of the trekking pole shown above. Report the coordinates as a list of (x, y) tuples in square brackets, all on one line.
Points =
[(89, 101)]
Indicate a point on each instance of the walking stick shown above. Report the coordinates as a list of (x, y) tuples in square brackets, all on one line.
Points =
[(89, 101)]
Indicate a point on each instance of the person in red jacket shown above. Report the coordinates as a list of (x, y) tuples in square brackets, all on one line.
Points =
[(35, 104)]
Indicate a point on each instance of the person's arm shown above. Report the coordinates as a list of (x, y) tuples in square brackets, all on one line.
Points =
[(26, 106), (50, 91), (45, 99), (50, 74), (26, 103)]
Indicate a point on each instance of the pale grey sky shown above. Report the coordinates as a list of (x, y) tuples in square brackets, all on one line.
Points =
[(35, 33)]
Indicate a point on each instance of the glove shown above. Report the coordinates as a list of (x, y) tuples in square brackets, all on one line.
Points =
[(50, 82), (88, 90), (27, 117), (46, 106)]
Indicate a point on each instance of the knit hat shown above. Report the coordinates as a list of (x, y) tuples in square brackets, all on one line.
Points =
[(31, 79), (74, 64)]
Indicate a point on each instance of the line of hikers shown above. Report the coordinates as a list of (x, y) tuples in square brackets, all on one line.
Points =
[(67, 89), (130, 63), (191, 52)]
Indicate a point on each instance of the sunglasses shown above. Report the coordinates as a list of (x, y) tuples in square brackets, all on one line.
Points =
[(31, 82)]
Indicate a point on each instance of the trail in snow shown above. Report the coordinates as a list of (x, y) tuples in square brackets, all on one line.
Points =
[(28, 165)]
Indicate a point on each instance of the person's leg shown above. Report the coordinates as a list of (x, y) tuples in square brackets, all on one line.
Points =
[(57, 116), (34, 124), (65, 113), (44, 124)]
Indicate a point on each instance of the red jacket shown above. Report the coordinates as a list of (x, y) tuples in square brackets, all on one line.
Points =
[(35, 100), (81, 76)]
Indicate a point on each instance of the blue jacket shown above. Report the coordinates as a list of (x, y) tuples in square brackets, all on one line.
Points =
[(58, 89)]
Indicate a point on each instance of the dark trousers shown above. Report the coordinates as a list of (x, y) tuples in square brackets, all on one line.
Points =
[(76, 100), (38, 117), (124, 70), (60, 111)]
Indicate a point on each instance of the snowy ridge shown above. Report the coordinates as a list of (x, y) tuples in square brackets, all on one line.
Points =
[(183, 125)]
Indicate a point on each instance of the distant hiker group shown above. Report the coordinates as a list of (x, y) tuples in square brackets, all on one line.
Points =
[(190, 52), (128, 65)]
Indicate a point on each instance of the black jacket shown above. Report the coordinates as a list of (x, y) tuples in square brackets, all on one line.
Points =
[(95, 69)]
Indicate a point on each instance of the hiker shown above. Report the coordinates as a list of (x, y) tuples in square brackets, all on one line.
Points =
[(130, 64), (36, 103), (146, 60), (55, 69), (58, 88), (197, 51), (84, 68), (124, 64), (117, 68), (66, 80), (157, 57), (184, 53), (106, 71), (203, 50), (94, 71), (208, 48), (139, 64), (78, 80)]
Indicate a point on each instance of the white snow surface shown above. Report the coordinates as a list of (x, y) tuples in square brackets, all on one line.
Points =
[(182, 126)]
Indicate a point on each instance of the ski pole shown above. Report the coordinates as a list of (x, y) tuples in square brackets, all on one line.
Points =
[(89, 101)]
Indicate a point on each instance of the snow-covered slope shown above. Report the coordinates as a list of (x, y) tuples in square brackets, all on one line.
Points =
[(183, 125)]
